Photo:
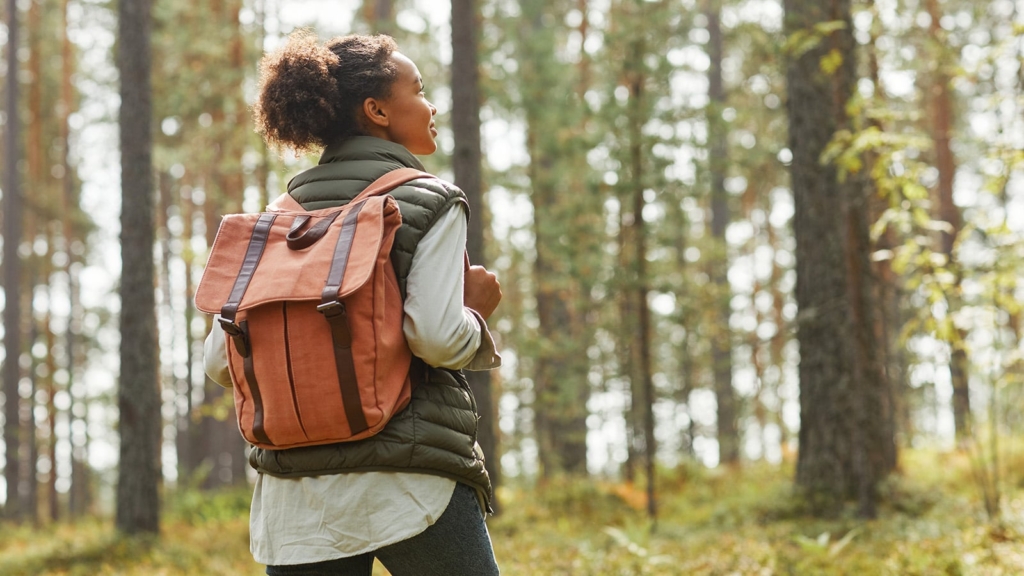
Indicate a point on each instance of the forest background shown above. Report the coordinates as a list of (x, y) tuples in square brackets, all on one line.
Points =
[(761, 265)]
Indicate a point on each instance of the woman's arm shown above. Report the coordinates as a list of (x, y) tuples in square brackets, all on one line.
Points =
[(439, 327)]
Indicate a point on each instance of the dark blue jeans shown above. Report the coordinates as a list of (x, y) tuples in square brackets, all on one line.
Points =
[(456, 545)]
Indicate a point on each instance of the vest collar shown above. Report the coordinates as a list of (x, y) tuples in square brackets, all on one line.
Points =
[(369, 148)]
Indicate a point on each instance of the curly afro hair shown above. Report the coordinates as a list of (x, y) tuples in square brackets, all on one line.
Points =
[(310, 94)]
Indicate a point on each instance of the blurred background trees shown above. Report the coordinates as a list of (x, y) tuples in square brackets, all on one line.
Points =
[(727, 230)]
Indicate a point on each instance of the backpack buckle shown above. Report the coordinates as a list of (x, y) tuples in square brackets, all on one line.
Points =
[(331, 309), (238, 336)]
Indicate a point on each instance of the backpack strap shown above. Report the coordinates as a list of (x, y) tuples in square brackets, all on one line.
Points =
[(285, 203), (334, 310), (390, 181), (239, 333)]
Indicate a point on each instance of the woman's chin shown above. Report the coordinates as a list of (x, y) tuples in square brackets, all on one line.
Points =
[(425, 150)]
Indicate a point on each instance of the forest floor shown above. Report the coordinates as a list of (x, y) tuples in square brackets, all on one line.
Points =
[(727, 522)]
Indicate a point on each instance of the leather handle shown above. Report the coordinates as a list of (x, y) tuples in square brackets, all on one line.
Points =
[(309, 236)]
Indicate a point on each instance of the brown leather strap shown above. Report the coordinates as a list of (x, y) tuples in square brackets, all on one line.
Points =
[(342, 249), (254, 391), (308, 237), (257, 242), (334, 310), (336, 315), (238, 337), (390, 181)]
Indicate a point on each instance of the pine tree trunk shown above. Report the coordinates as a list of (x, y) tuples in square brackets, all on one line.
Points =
[(678, 215), (846, 442), (12, 274), (941, 101), (218, 443), (380, 14), (467, 164), (31, 433), (186, 431), (36, 181), (721, 345), (560, 382), (626, 347), (52, 497), (138, 394)]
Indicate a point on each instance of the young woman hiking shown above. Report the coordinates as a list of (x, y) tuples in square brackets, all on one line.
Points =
[(415, 494)]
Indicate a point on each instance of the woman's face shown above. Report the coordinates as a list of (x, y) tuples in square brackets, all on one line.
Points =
[(410, 115)]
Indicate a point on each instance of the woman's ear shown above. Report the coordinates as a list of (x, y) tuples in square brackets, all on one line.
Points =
[(374, 111)]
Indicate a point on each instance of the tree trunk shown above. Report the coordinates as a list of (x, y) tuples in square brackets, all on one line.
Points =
[(218, 445), (685, 320), (626, 347), (941, 127), (846, 442), (380, 14), (31, 433), (12, 275), (718, 160), (560, 382), (467, 164), (889, 290), (642, 341), (185, 442), (52, 497), (138, 394)]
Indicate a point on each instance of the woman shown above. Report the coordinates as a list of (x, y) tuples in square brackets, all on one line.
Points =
[(414, 495)]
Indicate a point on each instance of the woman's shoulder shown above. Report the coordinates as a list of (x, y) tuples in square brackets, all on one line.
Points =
[(433, 193)]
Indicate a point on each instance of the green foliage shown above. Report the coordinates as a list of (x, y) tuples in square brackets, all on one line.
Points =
[(748, 522), (736, 522), (801, 42), (91, 547), (193, 506)]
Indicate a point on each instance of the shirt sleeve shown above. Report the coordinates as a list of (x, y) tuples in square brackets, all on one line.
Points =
[(215, 356), (439, 328)]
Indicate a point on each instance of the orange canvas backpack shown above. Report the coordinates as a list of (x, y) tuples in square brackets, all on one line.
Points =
[(312, 313)]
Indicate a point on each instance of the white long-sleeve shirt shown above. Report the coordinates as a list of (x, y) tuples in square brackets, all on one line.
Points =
[(314, 519)]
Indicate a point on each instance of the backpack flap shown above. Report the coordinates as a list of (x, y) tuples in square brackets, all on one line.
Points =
[(260, 242)]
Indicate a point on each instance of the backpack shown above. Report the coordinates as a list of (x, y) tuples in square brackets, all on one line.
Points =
[(311, 309)]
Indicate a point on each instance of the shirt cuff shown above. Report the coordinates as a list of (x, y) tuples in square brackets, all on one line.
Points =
[(486, 357)]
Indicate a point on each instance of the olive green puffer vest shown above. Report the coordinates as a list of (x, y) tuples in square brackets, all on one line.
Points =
[(436, 432)]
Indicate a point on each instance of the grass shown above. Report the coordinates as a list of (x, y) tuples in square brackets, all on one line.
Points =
[(711, 522)]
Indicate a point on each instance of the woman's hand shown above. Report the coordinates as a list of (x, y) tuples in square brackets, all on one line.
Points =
[(481, 291)]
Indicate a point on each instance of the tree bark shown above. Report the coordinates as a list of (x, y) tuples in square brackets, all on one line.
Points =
[(467, 160), (941, 100), (642, 341), (560, 382), (52, 497), (31, 433), (846, 441), (138, 395), (718, 160), (12, 274), (185, 440)]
